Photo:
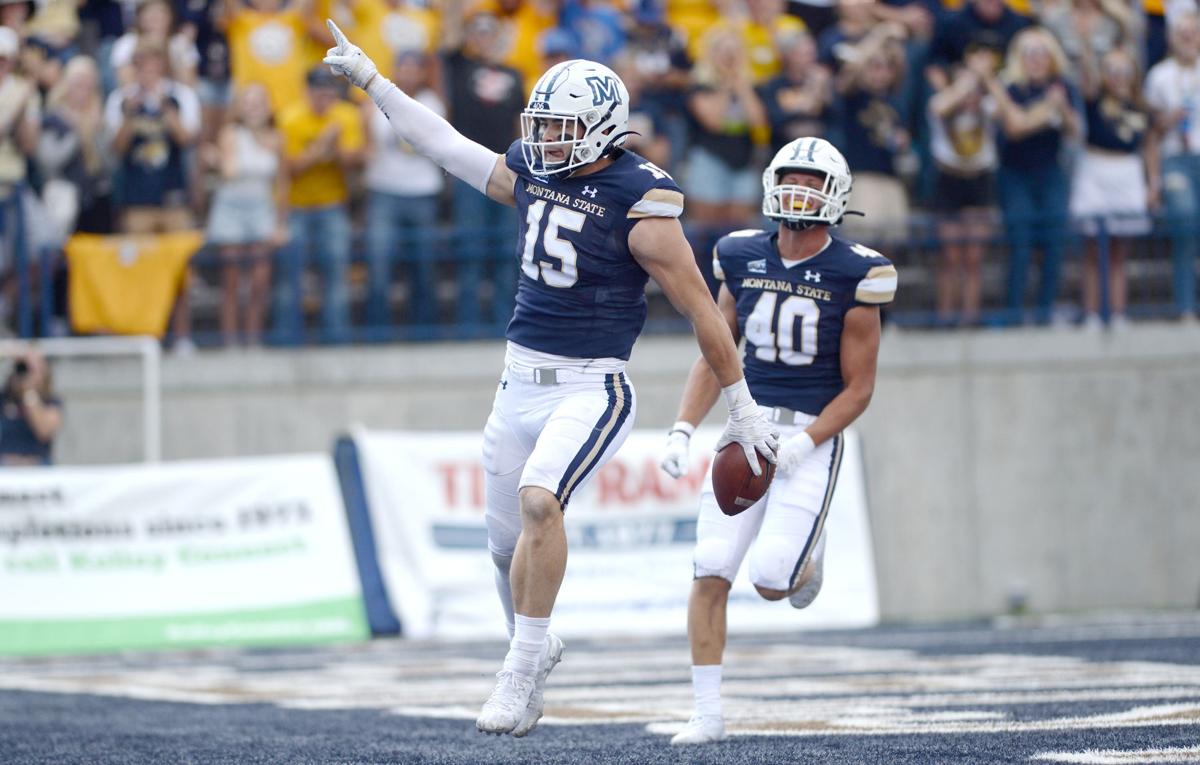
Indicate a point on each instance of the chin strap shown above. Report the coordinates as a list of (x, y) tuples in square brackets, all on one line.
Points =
[(801, 225), (804, 225)]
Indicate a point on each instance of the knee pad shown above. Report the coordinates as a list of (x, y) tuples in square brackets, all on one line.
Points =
[(772, 562), (503, 563), (502, 533), (711, 558)]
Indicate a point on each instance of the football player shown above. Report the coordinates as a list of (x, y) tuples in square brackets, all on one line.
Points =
[(808, 304), (598, 222)]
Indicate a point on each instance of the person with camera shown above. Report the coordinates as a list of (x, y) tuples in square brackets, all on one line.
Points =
[(30, 413)]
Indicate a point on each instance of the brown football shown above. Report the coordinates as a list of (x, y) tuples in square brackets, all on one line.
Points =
[(735, 487)]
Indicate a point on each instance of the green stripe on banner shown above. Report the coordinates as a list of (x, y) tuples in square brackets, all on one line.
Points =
[(326, 621)]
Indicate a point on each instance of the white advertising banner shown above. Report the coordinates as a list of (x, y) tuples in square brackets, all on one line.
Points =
[(246, 551), (630, 535)]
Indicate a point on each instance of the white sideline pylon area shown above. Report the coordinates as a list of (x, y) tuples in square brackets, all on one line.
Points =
[(143, 346)]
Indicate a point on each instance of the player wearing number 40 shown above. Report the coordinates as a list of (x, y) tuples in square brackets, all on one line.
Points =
[(808, 305), (599, 221)]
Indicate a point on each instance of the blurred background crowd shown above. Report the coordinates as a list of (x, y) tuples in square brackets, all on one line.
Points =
[(1031, 161)]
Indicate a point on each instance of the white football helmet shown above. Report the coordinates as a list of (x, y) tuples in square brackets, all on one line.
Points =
[(582, 108), (801, 206)]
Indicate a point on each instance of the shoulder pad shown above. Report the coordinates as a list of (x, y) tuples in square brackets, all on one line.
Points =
[(658, 203), (718, 271), (878, 286)]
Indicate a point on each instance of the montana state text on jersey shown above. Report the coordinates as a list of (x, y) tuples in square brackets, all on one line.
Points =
[(581, 293), (792, 317)]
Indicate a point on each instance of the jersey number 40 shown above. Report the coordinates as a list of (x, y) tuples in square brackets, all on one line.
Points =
[(771, 326)]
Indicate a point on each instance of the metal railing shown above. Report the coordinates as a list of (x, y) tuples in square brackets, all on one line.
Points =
[(426, 297)]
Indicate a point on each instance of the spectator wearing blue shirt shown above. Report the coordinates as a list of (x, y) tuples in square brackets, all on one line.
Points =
[(556, 46), (596, 27), (837, 41), (724, 188), (1113, 177), (797, 99), (659, 55), (646, 119), (30, 413), (1036, 111), (871, 125), (981, 25)]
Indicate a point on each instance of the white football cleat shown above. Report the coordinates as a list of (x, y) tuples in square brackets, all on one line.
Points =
[(700, 730), (505, 707), (551, 656), (804, 596)]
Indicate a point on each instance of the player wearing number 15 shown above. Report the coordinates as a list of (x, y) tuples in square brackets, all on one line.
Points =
[(599, 221), (808, 304)]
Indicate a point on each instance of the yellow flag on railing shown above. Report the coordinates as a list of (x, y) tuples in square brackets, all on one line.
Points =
[(127, 285)]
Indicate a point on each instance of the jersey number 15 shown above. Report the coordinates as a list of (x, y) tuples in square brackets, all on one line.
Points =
[(556, 265), (771, 326)]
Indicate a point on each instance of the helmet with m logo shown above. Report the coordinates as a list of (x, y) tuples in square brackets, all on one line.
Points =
[(578, 112)]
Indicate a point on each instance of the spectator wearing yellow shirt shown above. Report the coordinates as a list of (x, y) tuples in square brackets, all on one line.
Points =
[(763, 28), (323, 144), (269, 42), (692, 18), (386, 28)]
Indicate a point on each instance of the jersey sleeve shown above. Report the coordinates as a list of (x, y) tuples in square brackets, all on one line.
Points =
[(729, 255), (660, 196), (878, 285), (515, 160)]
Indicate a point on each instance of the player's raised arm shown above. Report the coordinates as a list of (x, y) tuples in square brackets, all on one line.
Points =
[(660, 247), (428, 133)]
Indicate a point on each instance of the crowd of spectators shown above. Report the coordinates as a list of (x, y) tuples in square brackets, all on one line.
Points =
[(1023, 122)]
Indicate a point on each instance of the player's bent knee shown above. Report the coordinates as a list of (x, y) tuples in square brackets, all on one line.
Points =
[(539, 507), (772, 563), (502, 562), (502, 535), (711, 558), (769, 594)]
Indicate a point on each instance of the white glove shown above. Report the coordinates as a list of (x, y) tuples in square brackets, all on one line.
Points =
[(348, 60), (748, 427), (675, 454), (794, 451)]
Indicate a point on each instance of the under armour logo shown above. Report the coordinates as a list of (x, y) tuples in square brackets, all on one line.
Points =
[(812, 276), (589, 191), (504, 385)]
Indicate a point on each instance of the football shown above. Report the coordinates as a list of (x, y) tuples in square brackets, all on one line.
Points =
[(735, 487)]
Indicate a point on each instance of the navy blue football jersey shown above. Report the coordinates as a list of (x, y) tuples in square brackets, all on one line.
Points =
[(581, 293), (792, 317)]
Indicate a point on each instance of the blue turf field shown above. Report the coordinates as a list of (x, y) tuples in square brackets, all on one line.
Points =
[(1099, 690)]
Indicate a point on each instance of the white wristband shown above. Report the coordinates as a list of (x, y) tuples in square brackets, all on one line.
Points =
[(737, 395), (684, 427), (433, 136)]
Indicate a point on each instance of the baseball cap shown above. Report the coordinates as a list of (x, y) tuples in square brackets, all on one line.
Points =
[(321, 77), (557, 41)]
